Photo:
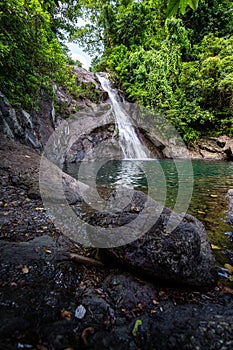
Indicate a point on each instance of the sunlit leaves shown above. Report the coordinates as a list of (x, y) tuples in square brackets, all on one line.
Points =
[(174, 5), (195, 95), (119, 22), (31, 56)]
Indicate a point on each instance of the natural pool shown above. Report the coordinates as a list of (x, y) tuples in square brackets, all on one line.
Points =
[(198, 187)]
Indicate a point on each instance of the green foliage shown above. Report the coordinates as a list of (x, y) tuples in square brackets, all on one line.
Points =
[(174, 5), (196, 96), (31, 56), (115, 22), (212, 16), (181, 66)]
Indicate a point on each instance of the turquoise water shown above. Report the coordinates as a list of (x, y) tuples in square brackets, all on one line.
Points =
[(197, 187)]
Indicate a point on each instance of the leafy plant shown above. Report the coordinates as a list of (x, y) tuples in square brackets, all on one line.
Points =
[(174, 5), (31, 56)]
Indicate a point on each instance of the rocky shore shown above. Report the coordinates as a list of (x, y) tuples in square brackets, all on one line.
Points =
[(159, 292), (50, 301)]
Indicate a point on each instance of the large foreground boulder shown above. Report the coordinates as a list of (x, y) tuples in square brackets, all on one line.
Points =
[(182, 255)]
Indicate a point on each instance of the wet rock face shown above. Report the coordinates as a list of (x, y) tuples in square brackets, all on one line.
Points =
[(181, 256), (214, 148), (210, 148), (34, 129), (17, 124), (86, 145)]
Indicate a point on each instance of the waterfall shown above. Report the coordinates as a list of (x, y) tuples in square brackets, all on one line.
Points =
[(131, 145)]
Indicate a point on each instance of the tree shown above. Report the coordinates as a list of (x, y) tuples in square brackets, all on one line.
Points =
[(177, 65), (114, 22), (212, 16), (31, 55), (108, 20)]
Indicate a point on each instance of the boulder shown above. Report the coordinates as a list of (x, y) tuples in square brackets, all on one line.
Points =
[(139, 234), (126, 313), (181, 255), (213, 148)]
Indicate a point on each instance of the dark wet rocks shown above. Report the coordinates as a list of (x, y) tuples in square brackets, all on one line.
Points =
[(36, 284), (21, 218), (179, 255), (17, 124), (134, 315), (214, 148), (34, 129), (40, 285), (43, 248)]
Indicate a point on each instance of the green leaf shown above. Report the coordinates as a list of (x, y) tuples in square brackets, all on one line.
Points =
[(172, 8), (193, 4), (183, 4), (135, 328)]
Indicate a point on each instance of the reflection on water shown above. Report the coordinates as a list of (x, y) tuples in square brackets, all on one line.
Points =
[(163, 182)]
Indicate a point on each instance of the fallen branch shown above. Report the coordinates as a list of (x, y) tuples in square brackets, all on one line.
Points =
[(85, 260)]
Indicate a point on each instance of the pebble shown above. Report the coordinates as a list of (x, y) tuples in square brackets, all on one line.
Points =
[(80, 312)]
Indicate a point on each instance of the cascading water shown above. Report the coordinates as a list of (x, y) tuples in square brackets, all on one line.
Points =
[(131, 145)]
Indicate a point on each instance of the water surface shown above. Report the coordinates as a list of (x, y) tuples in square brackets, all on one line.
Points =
[(200, 187)]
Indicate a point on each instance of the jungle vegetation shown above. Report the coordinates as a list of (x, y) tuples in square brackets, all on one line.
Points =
[(174, 56)]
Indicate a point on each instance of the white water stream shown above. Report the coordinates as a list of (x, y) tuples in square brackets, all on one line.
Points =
[(131, 145)]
